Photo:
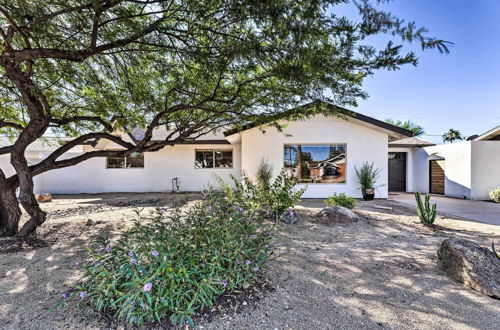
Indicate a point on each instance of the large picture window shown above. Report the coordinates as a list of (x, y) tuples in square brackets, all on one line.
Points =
[(213, 158), (315, 163), (134, 160)]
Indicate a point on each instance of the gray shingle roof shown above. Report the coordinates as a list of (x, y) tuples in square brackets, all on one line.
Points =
[(411, 142)]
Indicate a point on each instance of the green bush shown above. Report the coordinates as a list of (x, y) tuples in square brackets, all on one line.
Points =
[(264, 175), (495, 194), (341, 200), (175, 265), (426, 213), (367, 175), (281, 195)]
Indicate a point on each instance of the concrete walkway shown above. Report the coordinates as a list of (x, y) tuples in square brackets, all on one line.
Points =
[(480, 211)]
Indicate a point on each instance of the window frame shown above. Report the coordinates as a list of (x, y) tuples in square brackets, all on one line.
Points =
[(213, 157), (317, 143), (125, 159)]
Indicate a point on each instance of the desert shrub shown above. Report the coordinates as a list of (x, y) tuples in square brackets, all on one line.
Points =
[(426, 212), (175, 265), (264, 175), (342, 200), (367, 175), (495, 194), (281, 195)]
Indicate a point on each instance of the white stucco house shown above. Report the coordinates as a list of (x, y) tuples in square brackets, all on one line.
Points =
[(322, 152)]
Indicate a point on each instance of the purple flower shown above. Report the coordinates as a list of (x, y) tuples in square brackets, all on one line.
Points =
[(239, 209), (133, 261), (131, 253), (224, 283), (165, 208), (65, 296), (209, 208), (163, 300), (147, 287), (239, 269), (238, 262), (107, 249), (155, 253), (248, 262), (255, 269), (82, 294), (266, 246)]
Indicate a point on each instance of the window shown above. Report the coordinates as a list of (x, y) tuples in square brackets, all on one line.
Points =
[(315, 163), (212, 158), (134, 160)]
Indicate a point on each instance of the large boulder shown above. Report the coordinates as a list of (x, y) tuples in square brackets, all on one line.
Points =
[(336, 214), (471, 264), (289, 217)]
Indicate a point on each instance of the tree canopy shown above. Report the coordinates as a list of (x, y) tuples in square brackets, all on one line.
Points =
[(416, 129), (79, 67), (452, 135)]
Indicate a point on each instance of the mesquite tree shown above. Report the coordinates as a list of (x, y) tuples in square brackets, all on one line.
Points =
[(84, 67)]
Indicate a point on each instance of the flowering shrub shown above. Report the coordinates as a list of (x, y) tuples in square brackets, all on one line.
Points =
[(175, 265)]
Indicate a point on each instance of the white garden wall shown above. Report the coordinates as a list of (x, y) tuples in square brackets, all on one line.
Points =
[(363, 144), (485, 168)]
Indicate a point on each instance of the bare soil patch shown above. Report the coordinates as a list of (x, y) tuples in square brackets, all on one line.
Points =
[(377, 273)]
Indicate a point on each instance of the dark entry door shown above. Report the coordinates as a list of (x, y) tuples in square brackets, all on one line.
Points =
[(436, 168), (397, 171)]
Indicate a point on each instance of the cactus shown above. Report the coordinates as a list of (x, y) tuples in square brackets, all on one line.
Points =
[(494, 250), (426, 213)]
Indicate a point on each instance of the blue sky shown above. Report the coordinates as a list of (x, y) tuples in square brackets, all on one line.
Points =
[(460, 90)]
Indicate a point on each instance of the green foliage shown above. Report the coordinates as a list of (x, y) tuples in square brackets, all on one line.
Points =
[(249, 58), (175, 265), (452, 135), (281, 195), (367, 175), (264, 174), (342, 200), (495, 194), (416, 129), (426, 213), (494, 250)]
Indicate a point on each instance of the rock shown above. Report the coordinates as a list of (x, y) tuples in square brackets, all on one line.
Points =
[(289, 217), (471, 264), (43, 198), (336, 214)]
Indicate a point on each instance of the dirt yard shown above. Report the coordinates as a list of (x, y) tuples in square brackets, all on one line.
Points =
[(378, 273)]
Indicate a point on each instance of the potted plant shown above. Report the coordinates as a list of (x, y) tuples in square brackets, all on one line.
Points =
[(367, 176)]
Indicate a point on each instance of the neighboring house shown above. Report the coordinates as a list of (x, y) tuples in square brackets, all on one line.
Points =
[(467, 169), (321, 152)]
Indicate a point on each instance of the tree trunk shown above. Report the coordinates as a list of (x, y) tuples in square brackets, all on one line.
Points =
[(26, 195), (10, 213)]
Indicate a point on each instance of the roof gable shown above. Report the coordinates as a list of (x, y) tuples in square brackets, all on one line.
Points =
[(356, 117)]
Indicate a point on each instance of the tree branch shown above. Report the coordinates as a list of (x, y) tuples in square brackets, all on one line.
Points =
[(99, 120)]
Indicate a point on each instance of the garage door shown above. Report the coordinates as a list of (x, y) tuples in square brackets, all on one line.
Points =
[(437, 176)]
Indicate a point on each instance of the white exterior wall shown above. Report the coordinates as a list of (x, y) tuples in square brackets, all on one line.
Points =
[(457, 168), (362, 144), (485, 168), (160, 167)]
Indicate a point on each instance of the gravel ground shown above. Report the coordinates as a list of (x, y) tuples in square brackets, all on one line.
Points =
[(377, 273)]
